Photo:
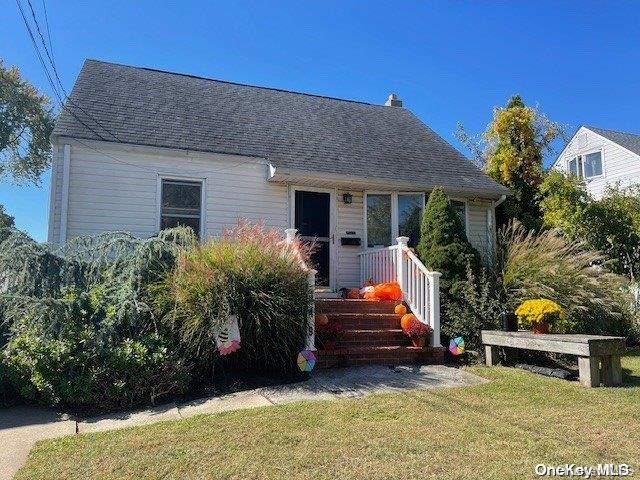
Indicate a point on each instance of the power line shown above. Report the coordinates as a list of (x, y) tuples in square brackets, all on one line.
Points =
[(55, 71), (65, 107)]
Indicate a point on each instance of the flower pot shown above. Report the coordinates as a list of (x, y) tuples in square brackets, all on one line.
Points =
[(509, 322), (418, 342), (541, 327)]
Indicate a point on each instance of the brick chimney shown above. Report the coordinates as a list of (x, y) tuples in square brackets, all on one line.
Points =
[(393, 101)]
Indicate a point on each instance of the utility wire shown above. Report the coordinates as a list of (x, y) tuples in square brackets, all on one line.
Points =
[(65, 107), (57, 77)]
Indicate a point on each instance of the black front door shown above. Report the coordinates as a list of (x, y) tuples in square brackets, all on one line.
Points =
[(313, 220)]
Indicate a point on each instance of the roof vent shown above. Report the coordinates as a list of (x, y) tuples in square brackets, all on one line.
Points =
[(393, 101)]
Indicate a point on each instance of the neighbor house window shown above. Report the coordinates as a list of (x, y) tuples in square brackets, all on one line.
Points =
[(181, 204), (409, 216), (461, 209), (586, 166), (378, 220)]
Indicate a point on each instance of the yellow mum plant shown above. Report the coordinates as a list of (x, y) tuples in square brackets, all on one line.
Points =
[(539, 311)]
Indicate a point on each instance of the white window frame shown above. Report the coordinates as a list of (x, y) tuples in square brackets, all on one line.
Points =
[(466, 212), (581, 157), (395, 228), (203, 197)]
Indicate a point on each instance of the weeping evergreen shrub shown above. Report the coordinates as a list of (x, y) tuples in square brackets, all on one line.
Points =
[(78, 328), (249, 272)]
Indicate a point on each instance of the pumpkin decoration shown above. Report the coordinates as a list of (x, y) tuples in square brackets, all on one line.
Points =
[(406, 320), (400, 309), (322, 319)]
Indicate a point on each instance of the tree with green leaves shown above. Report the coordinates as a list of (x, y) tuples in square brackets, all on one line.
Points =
[(26, 122), (511, 151), (443, 243), (6, 220), (610, 225)]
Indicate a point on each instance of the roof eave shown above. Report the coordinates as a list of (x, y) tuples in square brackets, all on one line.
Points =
[(347, 181)]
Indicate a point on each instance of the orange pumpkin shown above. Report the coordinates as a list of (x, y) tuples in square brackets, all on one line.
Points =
[(322, 319), (407, 320), (400, 309)]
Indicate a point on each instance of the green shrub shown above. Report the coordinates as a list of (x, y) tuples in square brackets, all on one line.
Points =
[(475, 307), (610, 225), (545, 265), (80, 328), (248, 272), (443, 243)]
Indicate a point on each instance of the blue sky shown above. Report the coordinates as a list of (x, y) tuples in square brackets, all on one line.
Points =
[(448, 61)]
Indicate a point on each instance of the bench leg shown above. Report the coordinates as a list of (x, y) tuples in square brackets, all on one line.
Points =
[(512, 356), (611, 371), (589, 369), (492, 355)]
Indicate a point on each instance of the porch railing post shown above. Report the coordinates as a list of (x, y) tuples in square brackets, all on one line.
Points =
[(400, 274), (311, 326), (311, 279), (434, 307)]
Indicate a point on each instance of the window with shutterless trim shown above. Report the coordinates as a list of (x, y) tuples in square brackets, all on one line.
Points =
[(586, 166), (181, 204)]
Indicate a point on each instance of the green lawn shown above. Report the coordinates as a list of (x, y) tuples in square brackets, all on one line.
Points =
[(497, 430)]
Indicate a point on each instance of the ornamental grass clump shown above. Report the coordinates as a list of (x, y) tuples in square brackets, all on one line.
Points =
[(539, 312), (249, 272), (545, 265)]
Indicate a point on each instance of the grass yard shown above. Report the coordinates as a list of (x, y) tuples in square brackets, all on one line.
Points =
[(498, 430)]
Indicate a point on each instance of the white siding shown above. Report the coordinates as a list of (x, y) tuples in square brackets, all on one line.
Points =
[(618, 164), (114, 189), (478, 224), (350, 219), (55, 198)]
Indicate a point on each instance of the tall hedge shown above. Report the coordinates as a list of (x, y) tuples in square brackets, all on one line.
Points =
[(443, 243)]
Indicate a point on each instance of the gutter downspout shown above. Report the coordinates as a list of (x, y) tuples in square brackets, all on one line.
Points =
[(491, 217)]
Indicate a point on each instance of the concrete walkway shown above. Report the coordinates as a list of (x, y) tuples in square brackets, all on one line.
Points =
[(21, 427)]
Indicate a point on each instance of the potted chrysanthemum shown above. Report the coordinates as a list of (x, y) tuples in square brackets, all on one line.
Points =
[(539, 314)]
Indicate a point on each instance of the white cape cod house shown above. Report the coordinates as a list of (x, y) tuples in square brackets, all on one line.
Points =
[(139, 149), (601, 158)]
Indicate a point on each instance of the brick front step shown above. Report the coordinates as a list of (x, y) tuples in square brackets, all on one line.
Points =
[(366, 320), (380, 355), (355, 306), (372, 337)]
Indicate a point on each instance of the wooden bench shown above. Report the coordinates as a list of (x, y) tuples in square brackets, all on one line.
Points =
[(598, 356)]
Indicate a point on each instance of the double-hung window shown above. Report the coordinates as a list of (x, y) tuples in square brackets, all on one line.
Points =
[(586, 166), (389, 215), (181, 204), (460, 208)]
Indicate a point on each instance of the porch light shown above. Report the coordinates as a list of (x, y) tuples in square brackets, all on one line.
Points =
[(347, 198)]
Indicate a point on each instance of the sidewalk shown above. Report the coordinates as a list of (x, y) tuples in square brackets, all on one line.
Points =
[(21, 427)]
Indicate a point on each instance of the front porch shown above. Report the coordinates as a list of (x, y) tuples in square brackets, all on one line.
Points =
[(370, 331)]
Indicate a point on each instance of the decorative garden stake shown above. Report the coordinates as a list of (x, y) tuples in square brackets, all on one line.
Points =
[(306, 360), (456, 346), (228, 339)]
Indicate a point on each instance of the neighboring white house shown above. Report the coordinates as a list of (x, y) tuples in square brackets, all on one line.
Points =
[(138, 149), (601, 158)]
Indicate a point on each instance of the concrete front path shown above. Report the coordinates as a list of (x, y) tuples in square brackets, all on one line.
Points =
[(21, 427)]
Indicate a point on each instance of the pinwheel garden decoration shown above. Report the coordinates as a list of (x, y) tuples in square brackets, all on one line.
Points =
[(306, 360), (456, 346)]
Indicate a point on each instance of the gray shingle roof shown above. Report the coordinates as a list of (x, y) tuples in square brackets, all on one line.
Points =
[(291, 130), (630, 141)]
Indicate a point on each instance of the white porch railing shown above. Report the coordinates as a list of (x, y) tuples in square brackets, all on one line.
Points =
[(311, 278), (420, 287)]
